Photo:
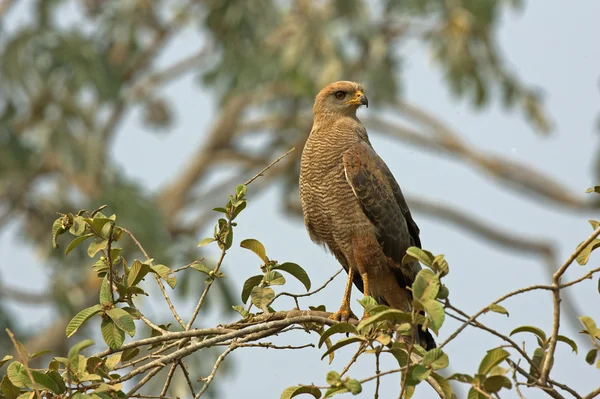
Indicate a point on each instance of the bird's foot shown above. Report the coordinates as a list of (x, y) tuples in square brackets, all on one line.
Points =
[(343, 315)]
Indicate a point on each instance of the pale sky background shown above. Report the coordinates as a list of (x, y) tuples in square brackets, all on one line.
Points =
[(553, 45)]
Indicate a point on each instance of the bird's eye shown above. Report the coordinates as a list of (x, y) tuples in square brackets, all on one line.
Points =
[(339, 95)]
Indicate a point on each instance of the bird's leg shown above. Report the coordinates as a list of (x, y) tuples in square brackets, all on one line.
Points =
[(365, 280), (345, 313)]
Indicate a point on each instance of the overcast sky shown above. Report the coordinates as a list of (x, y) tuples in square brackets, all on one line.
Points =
[(550, 46)]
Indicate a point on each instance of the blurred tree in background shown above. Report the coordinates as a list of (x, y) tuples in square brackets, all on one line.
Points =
[(66, 85)]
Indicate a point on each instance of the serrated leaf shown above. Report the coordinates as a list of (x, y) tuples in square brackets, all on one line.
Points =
[(261, 296), (495, 383), (292, 392), (435, 314), (112, 335), (590, 358), (393, 315), (105, 292), (426, 285), (123, 320), (492, 359), (76, 242), (567, 341), (498, 309), (81, 318), (129, 354), (97, 246), (341, 343), (436, 359), (354, 386), (337, 329), (584, 255), (206, 241), (5, 360), (444, 384), (137, 272), (256, 247), (249, 285), (297, 271), (274, 278), (421, 255), (530, 329)]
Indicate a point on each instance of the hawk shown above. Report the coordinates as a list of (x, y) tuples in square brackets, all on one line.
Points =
[(353, 205)]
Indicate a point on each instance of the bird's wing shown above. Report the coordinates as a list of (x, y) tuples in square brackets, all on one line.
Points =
[(383, 203)]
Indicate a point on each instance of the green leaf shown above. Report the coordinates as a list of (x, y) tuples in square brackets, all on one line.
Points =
[(292, 392), (353, 386), (492, 359), (341, 343), (337, 329), (241, 310), (76, 242), (474, 394), (137, 272), (220, 209), (57, 229), (206, 241), (530, 329), (78, 227), (418, 254), (590, 326), (81, 318), (165, 273), (129, 354), (444, 384), (105, 292), (368, 303), (261, 296), (567, 341), (112, 335), (461, 378), (590, 358), (594, 223), (296, 271), (274, 278), (393, 315), (584, 255), (123, 320), (78, 347), (426, 285), (420, 372), (498, 309), (238, 209), (334, 391), (96, 246), (435, 314), (9, 390), (201, 268), (16, 374), (249, 286), (436, 359), (333, 377), (495, 383), (60, 383), (5, 360), (256, 247)]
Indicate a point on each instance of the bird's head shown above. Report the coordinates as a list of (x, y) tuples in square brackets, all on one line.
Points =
[(340, 98)]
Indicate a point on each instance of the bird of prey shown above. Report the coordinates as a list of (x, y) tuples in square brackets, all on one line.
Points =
[(353, 205)]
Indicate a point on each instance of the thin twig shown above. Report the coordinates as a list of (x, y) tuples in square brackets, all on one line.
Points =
[(296, 296), (269, 166), (23, 359), (207, 380), (377, 371), (360, 350), (549, 358), (186, 374), (158, 280), (109, 260), (144, 380)]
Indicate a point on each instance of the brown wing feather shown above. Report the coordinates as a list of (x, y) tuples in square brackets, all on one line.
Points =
[(383, 203)]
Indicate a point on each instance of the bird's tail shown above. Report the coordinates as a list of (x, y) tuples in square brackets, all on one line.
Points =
[(426, 339)]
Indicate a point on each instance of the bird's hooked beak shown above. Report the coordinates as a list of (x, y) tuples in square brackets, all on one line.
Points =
[(359, 99)]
